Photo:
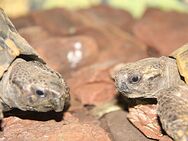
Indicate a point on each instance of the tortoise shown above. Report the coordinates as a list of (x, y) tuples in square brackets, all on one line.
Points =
[(26, 82), (165, 79)]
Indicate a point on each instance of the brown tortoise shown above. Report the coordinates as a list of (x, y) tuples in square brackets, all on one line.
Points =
[(26, 82), (165, 79)]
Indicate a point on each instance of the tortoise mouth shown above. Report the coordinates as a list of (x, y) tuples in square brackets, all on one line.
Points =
[(57, 107), (58, 104), (130, 93)]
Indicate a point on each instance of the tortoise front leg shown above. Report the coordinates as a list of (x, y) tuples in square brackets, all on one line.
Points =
[(173, 111)]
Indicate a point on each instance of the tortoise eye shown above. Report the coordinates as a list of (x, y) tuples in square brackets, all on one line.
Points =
[(134, 79), (40, 93)]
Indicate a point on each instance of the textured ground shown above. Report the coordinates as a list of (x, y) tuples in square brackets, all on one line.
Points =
[(84, 46)]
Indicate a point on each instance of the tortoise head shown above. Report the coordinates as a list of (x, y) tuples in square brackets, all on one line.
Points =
[(146, 77), (34, 86)]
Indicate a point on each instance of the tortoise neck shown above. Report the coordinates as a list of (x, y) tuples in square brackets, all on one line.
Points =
[(172, 74)]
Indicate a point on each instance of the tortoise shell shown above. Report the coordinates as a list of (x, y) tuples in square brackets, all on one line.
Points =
[(181, 56), (12, 45)]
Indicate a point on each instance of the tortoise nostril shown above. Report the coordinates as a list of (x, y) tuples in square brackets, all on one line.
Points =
[(59, 105), (122, 86)]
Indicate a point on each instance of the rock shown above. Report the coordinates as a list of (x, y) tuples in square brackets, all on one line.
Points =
[(144, 117), (124, 49), (92, 85), (120, 128), (96, 93), (69, 129), (58, 21), (165, 31), (23, 22), (103, 14), (34, 34), (115, 44), (84, 116), (123, 44), (153, 52), (67, 54), (103, 39)]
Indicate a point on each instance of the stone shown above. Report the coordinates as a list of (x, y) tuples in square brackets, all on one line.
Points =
[(104, 14), (92, 85), (58, 21), (69, 129), (125, 48), (115, 44), (23, 22), (67, 54), (106, 31), (96, 93), (165, 31), (120, 128), (34, 34), (98, 34), (144, 117)]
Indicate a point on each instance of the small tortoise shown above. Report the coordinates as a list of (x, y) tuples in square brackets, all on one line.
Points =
[(26, 82), (165, 79)]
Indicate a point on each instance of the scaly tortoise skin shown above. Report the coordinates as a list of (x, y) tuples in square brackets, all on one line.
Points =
[(26, 82), (165, 79)]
